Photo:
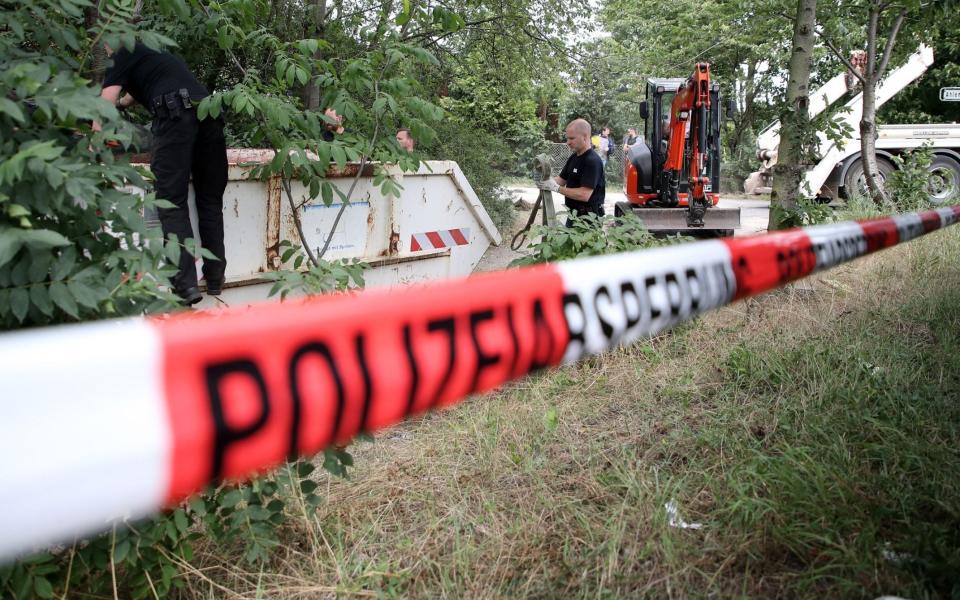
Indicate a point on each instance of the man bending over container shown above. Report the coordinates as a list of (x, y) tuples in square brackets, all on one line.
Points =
[(183, 146), (581, 181)]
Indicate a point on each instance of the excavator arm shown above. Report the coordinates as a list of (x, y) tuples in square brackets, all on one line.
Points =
[(689, 112)]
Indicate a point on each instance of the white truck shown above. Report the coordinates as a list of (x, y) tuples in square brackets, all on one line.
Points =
[(839, 172)]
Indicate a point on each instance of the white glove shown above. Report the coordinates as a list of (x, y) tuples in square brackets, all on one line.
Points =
[(549, 185)]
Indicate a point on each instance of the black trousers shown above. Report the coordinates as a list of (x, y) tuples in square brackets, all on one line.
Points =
[(185, 146)]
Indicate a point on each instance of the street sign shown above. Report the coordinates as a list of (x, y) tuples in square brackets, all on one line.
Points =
[(950, 94)]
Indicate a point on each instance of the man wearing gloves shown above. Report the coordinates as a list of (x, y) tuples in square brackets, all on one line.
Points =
[(581, 181)]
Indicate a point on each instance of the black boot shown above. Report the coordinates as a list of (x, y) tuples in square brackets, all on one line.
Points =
[(189, 296)]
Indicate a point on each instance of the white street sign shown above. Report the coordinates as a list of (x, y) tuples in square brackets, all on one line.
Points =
[(950, 94)]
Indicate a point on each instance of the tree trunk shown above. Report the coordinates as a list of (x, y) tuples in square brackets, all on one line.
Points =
[(868, 145), (873, 73), (311, 92), (735, 140), (794, 119), (98, 66)]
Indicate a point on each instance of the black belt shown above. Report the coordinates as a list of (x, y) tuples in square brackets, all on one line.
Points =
[(171, 103)]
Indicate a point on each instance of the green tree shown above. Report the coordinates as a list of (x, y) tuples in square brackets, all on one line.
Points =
[(794, 119), (878, 28), (746, 43), (73, 242)]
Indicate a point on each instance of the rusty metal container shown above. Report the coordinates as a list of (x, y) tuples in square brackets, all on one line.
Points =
[(437, 227)]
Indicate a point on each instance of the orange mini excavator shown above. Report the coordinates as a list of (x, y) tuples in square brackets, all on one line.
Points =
[(672, 175)]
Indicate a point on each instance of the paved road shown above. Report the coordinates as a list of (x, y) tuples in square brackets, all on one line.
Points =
[(753, 212)]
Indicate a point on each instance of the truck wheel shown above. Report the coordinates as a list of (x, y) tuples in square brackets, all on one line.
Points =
[(943, 183), (855, 182)]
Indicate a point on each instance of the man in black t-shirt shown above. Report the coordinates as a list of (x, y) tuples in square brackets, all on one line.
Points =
[(183, 146), (581, 180)]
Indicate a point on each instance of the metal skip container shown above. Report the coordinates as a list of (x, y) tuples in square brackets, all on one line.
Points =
[(437, 227)]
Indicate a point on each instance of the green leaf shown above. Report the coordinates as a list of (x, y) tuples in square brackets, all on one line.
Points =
[(404, 15), (62, 298), (231, 498), (181, 520), (10, 243), (15, 210), (39, 266), (171, 250), (121, 550), (64, 264), (43, 238), (42, 587), (198, 505), (339, 156), (308, 486), (41, 299), (11, 109), (19, 302), (83, 294)]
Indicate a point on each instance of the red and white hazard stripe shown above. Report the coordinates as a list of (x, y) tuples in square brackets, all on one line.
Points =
[(438, 240), (114, 420)]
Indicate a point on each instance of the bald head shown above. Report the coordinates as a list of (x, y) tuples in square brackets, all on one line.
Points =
[(578, 135)]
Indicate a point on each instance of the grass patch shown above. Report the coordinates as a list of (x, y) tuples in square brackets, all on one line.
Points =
[(814, 432)]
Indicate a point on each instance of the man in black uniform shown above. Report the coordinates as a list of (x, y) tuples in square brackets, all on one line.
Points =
[(581, 181), (183, 146)]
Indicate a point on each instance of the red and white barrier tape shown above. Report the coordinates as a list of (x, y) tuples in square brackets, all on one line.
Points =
[(118, 419)]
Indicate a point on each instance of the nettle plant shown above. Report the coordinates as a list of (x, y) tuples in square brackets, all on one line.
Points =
[(590, 235)]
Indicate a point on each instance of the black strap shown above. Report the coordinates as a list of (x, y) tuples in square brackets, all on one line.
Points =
[(521, 237)]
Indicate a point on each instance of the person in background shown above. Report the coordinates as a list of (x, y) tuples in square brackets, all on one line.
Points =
[(630, 139), (185, 147), (581, 181), (605, 145), (332, 130), (405, 139)]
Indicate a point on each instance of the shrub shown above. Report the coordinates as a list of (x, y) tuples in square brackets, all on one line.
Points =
[(908, 185), (484, 159), (590, 236)]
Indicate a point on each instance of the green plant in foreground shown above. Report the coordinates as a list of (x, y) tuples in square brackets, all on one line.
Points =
[(909, 184), (805, 213), (590, 235), (73, 243)]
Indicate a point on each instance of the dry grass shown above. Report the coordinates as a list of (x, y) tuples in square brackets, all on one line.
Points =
[(555, 486)]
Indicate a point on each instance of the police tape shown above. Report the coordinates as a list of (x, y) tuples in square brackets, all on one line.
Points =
[(116, 420)]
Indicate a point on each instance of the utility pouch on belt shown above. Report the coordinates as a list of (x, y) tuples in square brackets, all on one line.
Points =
[(171, 104)]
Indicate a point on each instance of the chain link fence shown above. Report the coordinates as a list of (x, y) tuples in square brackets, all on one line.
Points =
[(559, 153)]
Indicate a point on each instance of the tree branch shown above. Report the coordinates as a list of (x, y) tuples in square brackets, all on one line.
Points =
[(888, 48), (842, 58), (872, 44), (283, 180)]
